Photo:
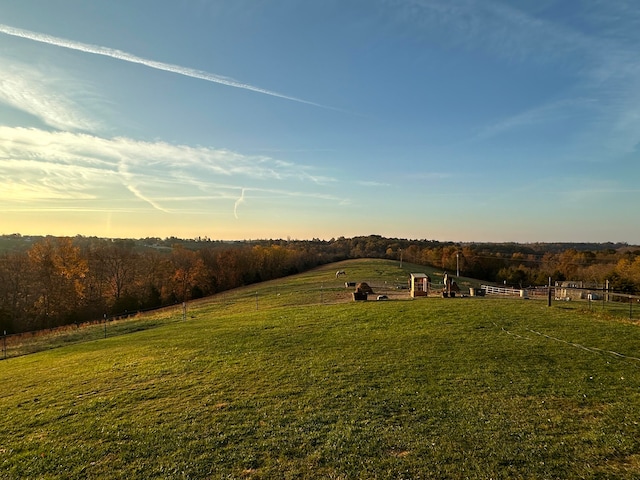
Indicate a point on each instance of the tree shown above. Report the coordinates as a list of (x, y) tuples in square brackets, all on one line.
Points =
[(229, 269), (14, 292), (188, 274), (59, 271), (117, 263)]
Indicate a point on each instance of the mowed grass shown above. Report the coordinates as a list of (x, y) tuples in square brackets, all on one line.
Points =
[(426, 388)]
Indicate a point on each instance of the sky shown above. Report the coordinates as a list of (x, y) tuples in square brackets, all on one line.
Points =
[(450, 120)]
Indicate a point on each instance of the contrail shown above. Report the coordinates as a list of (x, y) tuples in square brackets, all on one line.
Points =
[(128, 57), (126, 176), (238, 202)]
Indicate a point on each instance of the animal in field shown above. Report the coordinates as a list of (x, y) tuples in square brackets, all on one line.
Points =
[(340, 272)]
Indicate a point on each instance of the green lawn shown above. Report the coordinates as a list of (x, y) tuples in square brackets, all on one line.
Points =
[(290, 379)]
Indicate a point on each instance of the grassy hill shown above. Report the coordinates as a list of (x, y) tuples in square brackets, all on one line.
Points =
[(291, 379)]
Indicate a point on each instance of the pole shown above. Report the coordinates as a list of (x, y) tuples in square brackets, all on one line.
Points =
[(549, 294), (457, 265), (105, 325), (256, 300)]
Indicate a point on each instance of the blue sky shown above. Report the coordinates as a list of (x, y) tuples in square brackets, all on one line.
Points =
[(242, 119)]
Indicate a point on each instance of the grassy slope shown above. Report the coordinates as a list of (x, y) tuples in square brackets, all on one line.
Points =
[(431, 388)]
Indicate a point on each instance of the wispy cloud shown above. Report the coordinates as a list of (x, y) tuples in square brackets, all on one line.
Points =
[(594, 49), (431, 175), (495, 27), (38, 166), (372, 183), (128, 57), (41, 94), (556, 111), (27, 180)]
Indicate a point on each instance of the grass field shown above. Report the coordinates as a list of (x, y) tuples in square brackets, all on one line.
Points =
[(289, 379)]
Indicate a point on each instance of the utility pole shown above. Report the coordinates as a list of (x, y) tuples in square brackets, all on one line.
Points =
[(457, 264)]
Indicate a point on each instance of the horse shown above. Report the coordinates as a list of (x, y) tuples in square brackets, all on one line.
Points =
[(340, 272)]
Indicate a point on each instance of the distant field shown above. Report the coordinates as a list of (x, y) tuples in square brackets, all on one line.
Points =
[(318, 286), (291, 379)]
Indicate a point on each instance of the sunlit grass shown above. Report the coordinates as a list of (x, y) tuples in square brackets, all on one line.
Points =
[(429, 388)]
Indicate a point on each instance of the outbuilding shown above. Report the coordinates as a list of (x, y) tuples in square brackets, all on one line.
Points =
[(419, 284)]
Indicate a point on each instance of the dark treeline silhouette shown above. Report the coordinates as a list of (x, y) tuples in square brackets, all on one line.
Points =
[(47, 282)]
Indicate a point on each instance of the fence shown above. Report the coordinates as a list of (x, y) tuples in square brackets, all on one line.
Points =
[(613, 303), (505, 291), (261, 296), (18, 344), (593, 299), (276, 294)]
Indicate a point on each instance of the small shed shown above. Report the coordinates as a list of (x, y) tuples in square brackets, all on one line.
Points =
[(362, 290), (364, 287), (419, 284)]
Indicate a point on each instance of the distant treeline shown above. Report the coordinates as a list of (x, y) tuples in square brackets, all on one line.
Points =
[(50, 281)]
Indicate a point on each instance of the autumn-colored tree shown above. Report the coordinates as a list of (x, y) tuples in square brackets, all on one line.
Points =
[(60, 280), (229, 269), (59, 271), (14, 292), (270, 262), (626, 275), (153, 269), (115, 268), (516, 276), (188, 273), (448, 258)]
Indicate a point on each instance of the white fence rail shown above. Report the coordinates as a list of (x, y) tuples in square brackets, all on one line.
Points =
[(514, 292)]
